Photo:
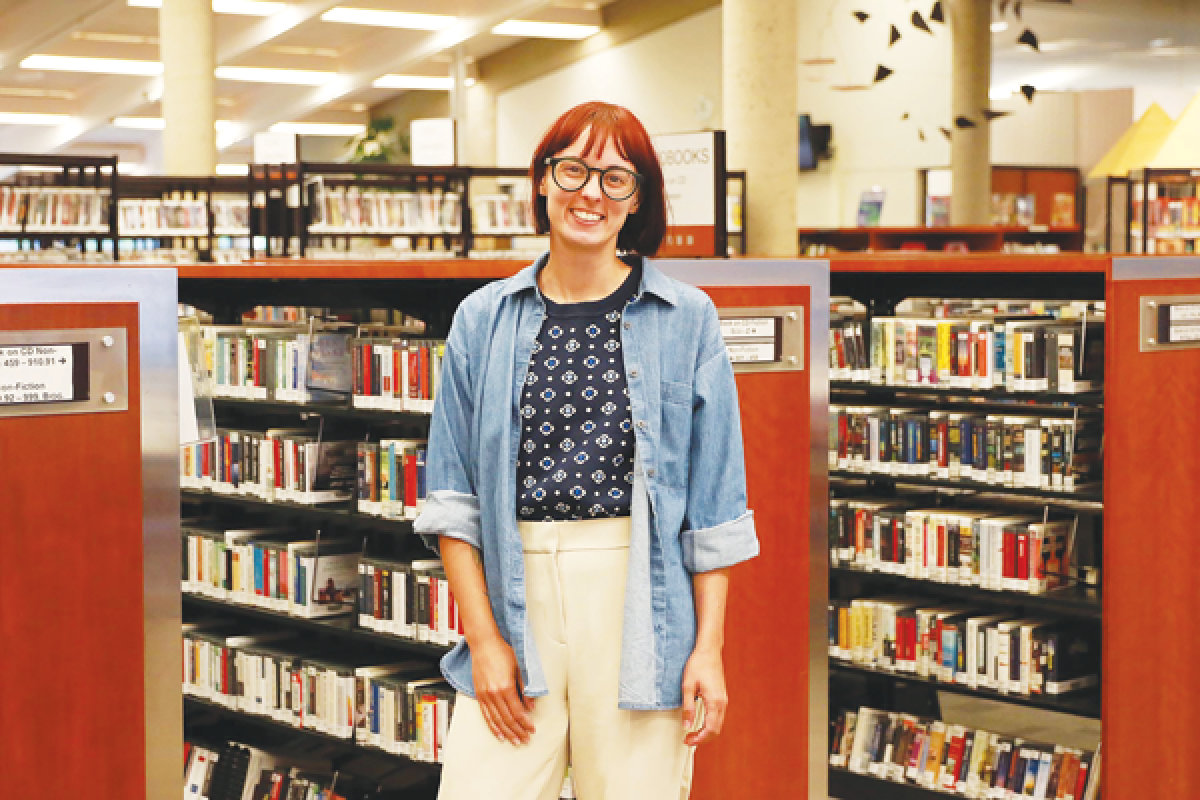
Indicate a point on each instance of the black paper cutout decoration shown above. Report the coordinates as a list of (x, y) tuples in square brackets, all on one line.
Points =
[(919, 22), (1002, 6), (895, 36), (921, 134), (1029, 38), (938, 15), (882, 73), (1017, 9), (989, 114), (964, 122), (1028, 91), (861, 16), (905, 115), (946, 132)]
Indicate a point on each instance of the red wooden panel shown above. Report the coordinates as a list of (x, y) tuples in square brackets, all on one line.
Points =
[(1008, 180), (971, 262), (1151, 552), (763, 751), (71, 614), (1043, 184)]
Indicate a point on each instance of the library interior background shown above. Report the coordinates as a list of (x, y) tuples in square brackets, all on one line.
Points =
[(953, 247)]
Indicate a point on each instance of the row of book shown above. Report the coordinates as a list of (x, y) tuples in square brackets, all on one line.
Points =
[(1171, 215), (997, 551), (1014, 451), (391, 478), (960, 760), (341, 209), (235, 771), (54, 209), (182, 217), (498, 214), (293, 572), (278, 465), (397, 374), (281, 364), (1003, 652), (275, 675), (1015, 353)]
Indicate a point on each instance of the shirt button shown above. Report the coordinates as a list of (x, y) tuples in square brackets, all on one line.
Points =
[(641, 424), (633, 373), (628, 326), (650, 472)]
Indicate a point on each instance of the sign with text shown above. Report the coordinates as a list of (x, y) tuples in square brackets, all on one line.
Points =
[(276, 148), (752, 340), (432, 142), (1170, 322), (43, 373), (693, 166)]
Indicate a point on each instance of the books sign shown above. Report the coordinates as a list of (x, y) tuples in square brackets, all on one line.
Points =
[(693, 167), (38, 373), (1170, 322), (432, 142), (764, 338)]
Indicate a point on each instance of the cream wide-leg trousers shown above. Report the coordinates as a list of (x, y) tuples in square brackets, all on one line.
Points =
[(575, 595)]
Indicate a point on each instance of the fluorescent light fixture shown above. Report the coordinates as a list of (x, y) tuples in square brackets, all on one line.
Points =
[(469, 82), (319, 128), (248, 8), (22, 91), (299, 77), (156, 123), (128, 168), (545, 30), (233, 169), (432, 82), (999, 94), (107, 66), (388, 19), (1000, 26), (23, 118)]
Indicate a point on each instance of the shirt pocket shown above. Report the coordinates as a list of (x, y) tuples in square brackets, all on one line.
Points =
[(676, 441)]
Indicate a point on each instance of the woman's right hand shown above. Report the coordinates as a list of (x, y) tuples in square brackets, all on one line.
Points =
[(497, 681)]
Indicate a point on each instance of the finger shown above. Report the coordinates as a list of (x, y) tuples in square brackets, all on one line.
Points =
[(689, 704), (503, 720), (506, 707), (520, 714), (490, 719), (713, 719)]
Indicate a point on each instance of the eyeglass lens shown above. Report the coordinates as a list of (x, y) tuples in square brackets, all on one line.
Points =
[(616, 182)]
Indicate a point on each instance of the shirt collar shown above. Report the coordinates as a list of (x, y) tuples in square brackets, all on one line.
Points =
[(653, 281)]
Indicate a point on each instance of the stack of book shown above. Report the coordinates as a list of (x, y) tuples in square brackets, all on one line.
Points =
[(953, 644), (294, 365), (397, 374), (501, 214), (391, 478), (352, 210), (409, 600), (1014, 451), (960, 760), (52, 209)]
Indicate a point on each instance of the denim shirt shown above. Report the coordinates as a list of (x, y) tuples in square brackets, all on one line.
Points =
[(688, 506)]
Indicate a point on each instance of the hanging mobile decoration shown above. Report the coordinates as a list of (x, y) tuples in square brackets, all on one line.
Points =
[(1028, 91), (990, 114), (882, 73), (895, 36), (964, 122), (1029, 38), (938, 14), (861, 16), (919, 22), (946, 132)]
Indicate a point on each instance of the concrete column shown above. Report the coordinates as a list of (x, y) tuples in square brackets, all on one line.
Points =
[(479, 140), (458, 103), (759, 114), (189, 107), (970, 156)]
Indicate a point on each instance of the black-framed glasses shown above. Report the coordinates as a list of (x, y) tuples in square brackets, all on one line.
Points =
[(572, 174)]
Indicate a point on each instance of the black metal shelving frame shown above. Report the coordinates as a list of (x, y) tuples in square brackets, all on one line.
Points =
[(75, 171)]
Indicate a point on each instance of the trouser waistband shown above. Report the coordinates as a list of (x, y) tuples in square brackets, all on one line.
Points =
[(586, 534)]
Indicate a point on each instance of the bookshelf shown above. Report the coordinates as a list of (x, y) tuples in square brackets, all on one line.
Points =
[(1149, 469), (976, 239), (181, 219), (1162, 211), (58, 208)]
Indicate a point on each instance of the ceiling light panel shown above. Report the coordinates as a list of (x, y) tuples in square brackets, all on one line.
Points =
[(249, 8), (319, 128), (233, 169), (388, 19), (105, 66), (544, 30), (298, 77), (23, 91), (22, 118), (427, 82), (113, 38), (157, 123)]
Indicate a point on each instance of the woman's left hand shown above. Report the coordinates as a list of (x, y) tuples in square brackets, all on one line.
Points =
[(704, 677)]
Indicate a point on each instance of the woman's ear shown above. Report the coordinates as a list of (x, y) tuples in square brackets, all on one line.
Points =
[(542, 186), (636, 204)]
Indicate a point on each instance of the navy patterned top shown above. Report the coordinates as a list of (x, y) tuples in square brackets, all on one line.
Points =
[(576, 459)]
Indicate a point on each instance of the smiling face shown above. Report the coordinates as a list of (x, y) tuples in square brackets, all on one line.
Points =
[(587, 219)]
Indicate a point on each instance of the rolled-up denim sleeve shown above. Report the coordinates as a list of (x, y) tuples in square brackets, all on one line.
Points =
[(718, 529), (451, 503)]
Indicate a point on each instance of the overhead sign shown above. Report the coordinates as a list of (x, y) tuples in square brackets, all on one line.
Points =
[(693, 166), (432, 142), (276, 148)]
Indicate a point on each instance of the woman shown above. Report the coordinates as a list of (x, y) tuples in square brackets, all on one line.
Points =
[(587, 494)]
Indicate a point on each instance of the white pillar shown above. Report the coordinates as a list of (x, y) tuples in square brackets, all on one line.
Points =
[(185, 29), (970, 159), (759, 114), (479, 140)]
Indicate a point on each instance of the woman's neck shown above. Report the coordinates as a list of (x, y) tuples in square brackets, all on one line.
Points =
[(581, 277)]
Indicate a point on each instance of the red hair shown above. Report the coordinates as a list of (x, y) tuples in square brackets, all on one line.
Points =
[(645, 228)]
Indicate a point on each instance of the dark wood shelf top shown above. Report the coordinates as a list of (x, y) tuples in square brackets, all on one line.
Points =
[(325, 269), (981, 263), (853, 786), (320, 410), (1068, 602), (1090, 497), (334, 513), (1084, 703), (981, 400), (343, 626)]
